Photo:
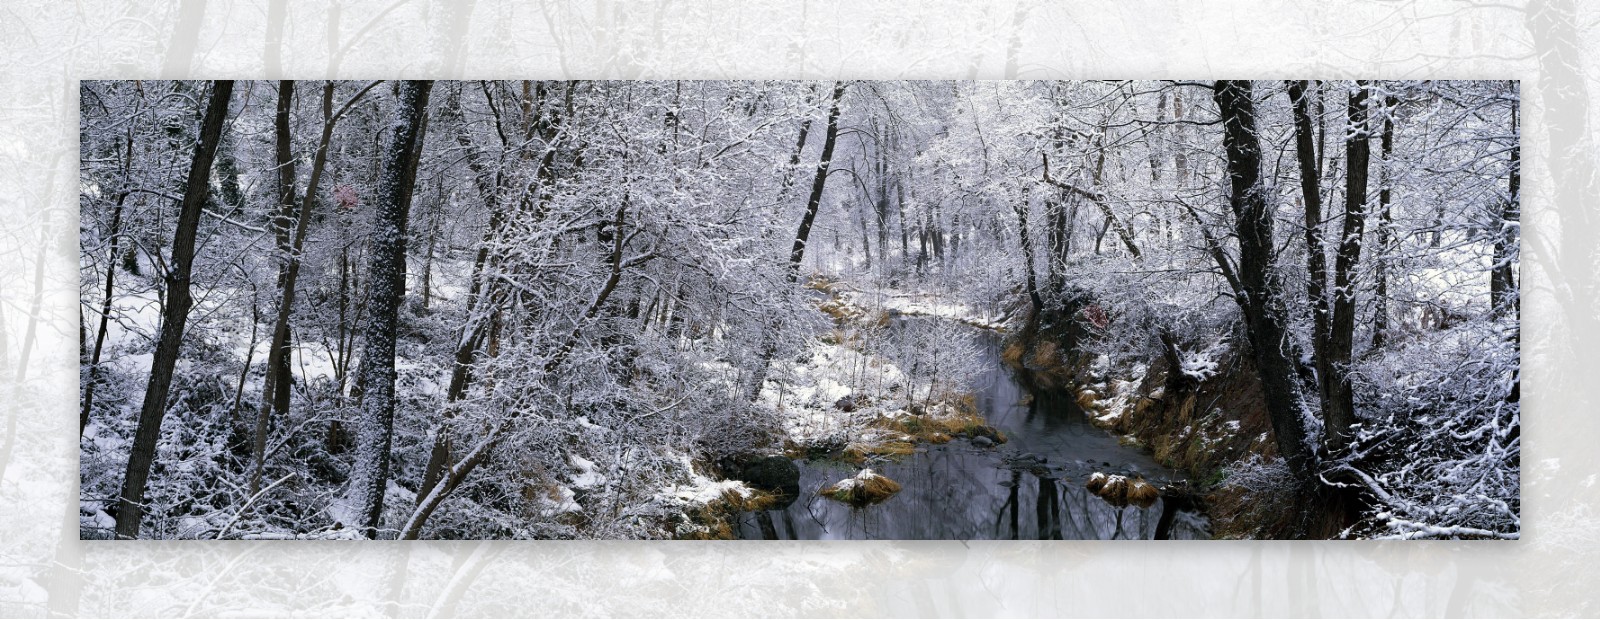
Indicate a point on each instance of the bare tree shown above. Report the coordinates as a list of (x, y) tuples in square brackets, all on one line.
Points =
[(1256, 285), (197, 188), (1338, 403)]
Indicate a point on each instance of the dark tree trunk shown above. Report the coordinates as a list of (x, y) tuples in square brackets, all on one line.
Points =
[(275, 386), (369, 475), (1503, 294), (1380, 313), (278, 350), (197, 188), (1058, 241), (1311, 198), (831, 136), (799, 148), (1338, 413), (1027, 260), (1257, 287), (275, 389), (798, 253), (105, 312)]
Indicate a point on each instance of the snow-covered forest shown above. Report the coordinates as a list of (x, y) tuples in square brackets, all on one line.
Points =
[(778, 309)]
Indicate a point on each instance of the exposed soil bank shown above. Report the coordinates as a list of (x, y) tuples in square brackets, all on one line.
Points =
[(1197, 415)]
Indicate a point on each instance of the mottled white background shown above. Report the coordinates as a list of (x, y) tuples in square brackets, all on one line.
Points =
[(50, 44)]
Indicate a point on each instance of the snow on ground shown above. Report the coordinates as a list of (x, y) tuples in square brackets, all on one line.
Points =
[(809, 394), (924, 304), (700, 490), (1116, 396)]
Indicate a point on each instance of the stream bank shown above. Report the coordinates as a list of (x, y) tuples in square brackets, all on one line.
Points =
[(1033, 486), (1196, 409)]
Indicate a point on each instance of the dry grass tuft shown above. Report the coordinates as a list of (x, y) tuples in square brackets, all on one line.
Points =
[(1121, 491), (840, 312), (1046, 354), (1143, 494), (954, 416), (1013, 353), (756, 500), (866, 488), (1088, 400), (714, 521), (858, 452)]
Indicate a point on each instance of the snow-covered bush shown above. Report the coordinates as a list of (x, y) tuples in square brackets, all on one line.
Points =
[(1440, 445)]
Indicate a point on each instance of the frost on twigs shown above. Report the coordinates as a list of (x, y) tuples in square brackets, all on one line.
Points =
[(1439, 446)]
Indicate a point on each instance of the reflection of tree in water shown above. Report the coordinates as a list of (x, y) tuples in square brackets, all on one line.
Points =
[(1067, 511), (949, 496), (1048, 510), (957, 491)]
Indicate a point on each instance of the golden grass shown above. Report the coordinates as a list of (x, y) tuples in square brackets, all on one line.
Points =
[(864, 489), (714, 521), (1121, 491), (756, 500), (1143, 494), (858, 452), (1096, 482), (1088, 400), (1013, 353), (840, 312), (932, 428), (1046, 354), (952, 415)]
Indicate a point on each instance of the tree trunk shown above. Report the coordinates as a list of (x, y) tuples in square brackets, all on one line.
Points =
[(1380, 313), (275, 389), (105, 313), (1338, 412), (799, 148), (197, 187), (275, 385), (369, 475), (1503, 295), (797, 254), (278, 351), (1057, 242), (1257, 287), (1027, 260), (1316, 256)]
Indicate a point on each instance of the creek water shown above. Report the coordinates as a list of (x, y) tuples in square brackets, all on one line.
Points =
[(1031, 487)]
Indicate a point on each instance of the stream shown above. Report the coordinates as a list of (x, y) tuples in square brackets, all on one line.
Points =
[(1031, 487)]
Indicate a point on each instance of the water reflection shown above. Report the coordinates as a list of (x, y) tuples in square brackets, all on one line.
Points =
[(963, 492)]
